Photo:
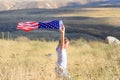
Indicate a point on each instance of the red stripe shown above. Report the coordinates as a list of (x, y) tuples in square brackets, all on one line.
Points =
[(27, 26)]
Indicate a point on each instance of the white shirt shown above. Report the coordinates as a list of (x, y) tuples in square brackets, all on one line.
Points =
[(61, 57)]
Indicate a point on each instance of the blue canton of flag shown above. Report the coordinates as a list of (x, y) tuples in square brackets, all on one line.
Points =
[(54, 24)]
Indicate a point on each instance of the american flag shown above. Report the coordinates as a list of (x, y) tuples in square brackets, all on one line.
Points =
[(32, 25)]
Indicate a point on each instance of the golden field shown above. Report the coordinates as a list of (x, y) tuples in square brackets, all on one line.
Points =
[(24, 59)]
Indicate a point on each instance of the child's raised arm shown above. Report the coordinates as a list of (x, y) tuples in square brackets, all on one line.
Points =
[(62, 34)]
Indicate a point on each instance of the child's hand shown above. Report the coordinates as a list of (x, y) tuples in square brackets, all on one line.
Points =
[(62, 29)]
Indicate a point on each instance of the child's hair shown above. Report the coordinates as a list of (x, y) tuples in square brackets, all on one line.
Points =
[(65, 40)]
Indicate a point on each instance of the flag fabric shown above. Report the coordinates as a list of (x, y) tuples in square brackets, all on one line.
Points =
[(27, 26), (32, 25)]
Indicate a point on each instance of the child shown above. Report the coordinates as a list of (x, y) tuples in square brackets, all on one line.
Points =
[(61, 66)]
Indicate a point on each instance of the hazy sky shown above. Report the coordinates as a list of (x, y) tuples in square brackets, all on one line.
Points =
[(81, 1), (52, 0)]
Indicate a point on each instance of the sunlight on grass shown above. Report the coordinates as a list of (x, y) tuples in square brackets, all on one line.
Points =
[(29, 60), (95, 12)]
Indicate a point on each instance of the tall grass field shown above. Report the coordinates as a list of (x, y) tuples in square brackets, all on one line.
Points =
[(24, 59)]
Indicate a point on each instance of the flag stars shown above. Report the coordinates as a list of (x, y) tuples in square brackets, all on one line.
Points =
[(49, 25)]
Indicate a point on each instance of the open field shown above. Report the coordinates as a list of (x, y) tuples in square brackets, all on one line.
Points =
[(23, 59), (27, 56)]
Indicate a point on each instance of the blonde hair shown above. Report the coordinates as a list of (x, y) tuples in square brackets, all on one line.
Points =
[(65, 40)]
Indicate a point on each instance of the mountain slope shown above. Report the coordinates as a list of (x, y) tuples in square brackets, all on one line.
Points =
[(24, 4), (109, 3), (76, 25)]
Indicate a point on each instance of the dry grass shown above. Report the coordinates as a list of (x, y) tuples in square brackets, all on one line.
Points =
[(29, 60)]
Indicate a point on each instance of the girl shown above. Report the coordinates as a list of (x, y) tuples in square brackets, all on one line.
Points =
[(61, 63)]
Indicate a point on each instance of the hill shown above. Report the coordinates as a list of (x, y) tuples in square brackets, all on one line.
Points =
[(89, 23)]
